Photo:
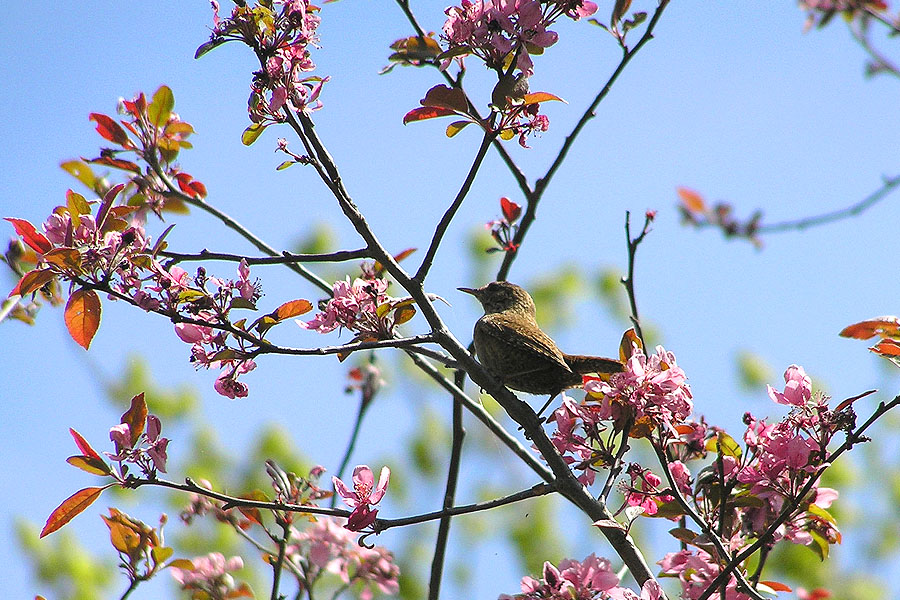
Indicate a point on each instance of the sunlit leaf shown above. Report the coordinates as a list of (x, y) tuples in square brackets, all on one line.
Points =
[(89, 464), (64, 258), (683, 534), (285, 165), (630, 340), (403, 314), (70, 508), (776, 586), (426, 112), (161, 106), (454, 52), (725, 444), (116, 163), (109, 129), (691, 201), (161, 554), (182, 563), (135, 417), (82, 316), (83, 445), (77, 206), (455, 127), (36, 241), (252, 133), (537, 97), (888, 326), (80, 171), (510, 209), (32, 281), (507, 134), (292, 309)]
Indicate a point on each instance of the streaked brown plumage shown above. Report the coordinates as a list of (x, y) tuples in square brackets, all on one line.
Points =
[(513, 348)]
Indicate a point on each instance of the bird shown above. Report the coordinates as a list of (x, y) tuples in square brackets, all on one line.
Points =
[(511, 346)]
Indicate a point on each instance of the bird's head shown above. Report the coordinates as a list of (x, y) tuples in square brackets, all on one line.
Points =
[(502, 296)]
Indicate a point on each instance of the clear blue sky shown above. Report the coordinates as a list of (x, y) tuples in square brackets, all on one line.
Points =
[(730, 99)]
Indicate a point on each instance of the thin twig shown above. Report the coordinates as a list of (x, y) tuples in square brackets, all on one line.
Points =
[(443, 535), (444, 223), (628, 280), (285, 258)]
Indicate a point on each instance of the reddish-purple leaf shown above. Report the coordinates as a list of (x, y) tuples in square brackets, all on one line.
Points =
[(110, 129), (37, 241), (83, 445), (71, 507), (443, 96), (426, 112), (90, 465), (115, 163), (511, 210), (135, 417), (82, 316)]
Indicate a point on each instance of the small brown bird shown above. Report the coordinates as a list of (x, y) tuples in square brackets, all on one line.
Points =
[(513, 348)]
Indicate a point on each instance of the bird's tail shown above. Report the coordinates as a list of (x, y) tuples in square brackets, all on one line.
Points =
[(584, 365)]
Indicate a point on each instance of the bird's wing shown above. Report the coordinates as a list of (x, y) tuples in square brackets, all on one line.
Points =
[(508, 331)]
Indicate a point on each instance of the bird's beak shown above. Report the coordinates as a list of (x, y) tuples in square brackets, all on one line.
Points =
[(471, 291)]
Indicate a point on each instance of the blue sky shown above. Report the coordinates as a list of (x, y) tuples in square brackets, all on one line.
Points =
[(732, 100)]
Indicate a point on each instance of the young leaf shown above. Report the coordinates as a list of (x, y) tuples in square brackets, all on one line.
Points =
[(161, 106), (403, 314), (64, 258), (443, 96), (82, 316), (884, 326), (285, 165), (89, 465), (455, 127), (79, 171), (109, 129), (691, 201), (252, 133), (135, 417), (161, 554), (71, 507), (84, 446), (207, 46), (32, 281), (536, 97), (292, 309), (36, 240)]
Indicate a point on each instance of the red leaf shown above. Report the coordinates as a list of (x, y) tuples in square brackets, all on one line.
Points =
[(37, 241), (777, 586), (884, 326), (887, 347), (115, 163), (426, 112), (511, 210), (442, 96), (32, 281), (82, 316), (71, 507), (135, 417), (83, 445), (110, 129)]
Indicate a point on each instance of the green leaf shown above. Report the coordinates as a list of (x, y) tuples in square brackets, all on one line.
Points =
[(161, 106), (252, 133), (161, 554), (207, 46), (79, 171)]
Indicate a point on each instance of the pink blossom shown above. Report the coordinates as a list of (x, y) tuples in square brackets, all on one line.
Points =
[(797, 388), (682, 476), (209, 575), (363, 495), (571, 579)]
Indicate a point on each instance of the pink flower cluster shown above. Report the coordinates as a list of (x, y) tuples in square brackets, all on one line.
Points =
[(210, 575), (590, 578), (650, 389), (363, 496), (326, 546), (281, 32), (783, 456), (503, 230), (696, 570), (493, 29)]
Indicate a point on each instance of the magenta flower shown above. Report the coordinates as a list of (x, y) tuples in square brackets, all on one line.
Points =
[(209, 575), (364, 495)]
